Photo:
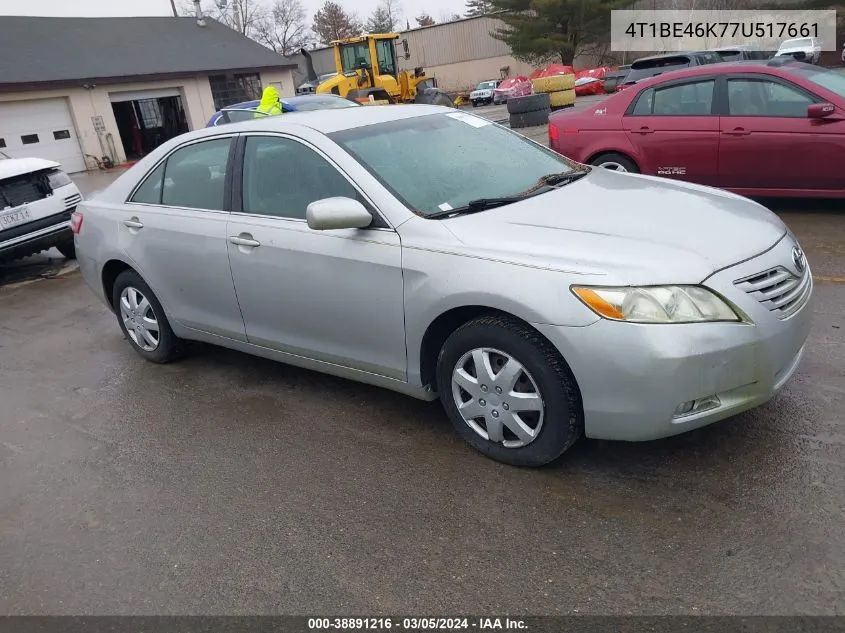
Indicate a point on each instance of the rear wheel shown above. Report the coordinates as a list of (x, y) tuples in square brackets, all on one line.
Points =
[(142, 319), (615, 162), (508, 392)]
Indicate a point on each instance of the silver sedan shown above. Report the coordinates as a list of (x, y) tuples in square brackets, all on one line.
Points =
[(429, 251)]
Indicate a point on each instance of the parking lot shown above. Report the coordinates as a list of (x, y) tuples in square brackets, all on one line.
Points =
[(226, 484)]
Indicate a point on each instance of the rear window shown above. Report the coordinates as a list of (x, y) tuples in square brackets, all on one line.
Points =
[(651, 67), (796, 43), (833, 81)]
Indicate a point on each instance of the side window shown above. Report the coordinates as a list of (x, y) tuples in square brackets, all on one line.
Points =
[(760, 97), (150, 190), (282, 177), (692, 99), (645, 102), (195, 176)]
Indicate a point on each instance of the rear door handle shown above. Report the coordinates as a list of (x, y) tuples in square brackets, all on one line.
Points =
[(244, 239), (737, 131), (133, 223), (645, 130)]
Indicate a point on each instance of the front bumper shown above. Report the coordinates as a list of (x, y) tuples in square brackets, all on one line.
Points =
[(632, 377), (40, 235)]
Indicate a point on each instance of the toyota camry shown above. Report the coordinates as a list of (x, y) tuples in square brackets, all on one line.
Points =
[(440, 255)]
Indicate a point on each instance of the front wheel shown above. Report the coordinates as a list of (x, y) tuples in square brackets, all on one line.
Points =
[(67, 249), (508, 392)]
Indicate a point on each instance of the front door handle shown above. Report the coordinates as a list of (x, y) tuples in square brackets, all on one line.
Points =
[(244, 239), (133, 223), (737, 131)]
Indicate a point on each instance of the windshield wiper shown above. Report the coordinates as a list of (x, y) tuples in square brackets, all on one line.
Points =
[(480, 204), (543, 184)]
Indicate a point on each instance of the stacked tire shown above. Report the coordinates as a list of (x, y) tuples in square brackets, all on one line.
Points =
[(560, 88), (529, 111)]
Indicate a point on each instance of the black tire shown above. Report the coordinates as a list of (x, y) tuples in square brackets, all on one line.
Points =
[(475, 104), (529, 119), (614, 157), (67, 249), (169, 346), (434, 96), (529, 103), (563, 416)]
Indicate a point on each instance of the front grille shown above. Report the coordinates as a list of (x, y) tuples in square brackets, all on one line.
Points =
[(778, 289), (73, 200)]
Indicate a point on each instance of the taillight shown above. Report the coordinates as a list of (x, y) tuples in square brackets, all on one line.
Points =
[(552, 135), (76, 221)]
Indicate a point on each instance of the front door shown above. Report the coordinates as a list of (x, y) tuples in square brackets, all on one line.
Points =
[(768, 142), (675, 131), (334, 296), (174, 228)]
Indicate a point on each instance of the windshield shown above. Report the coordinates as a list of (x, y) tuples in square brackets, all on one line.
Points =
[(833, 81), (486, 85), (438, 162), (796, 43)]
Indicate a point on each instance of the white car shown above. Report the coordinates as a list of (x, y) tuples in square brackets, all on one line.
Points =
[(483, 93), (809, 47), (36, 201)]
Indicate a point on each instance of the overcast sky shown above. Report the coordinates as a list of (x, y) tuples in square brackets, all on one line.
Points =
[(103, 8)]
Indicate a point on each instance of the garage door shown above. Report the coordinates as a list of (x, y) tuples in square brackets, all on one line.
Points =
[(40, 128)]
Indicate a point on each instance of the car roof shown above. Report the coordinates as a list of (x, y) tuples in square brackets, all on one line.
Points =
[(667, 55), (328, 121), (762, 66)]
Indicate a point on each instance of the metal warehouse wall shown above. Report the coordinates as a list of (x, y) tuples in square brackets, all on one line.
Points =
[(453, 42), (450, 44)]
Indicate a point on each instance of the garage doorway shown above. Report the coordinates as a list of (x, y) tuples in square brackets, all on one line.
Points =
[(145, 123)]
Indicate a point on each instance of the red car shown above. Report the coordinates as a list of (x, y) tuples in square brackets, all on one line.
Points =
[(773, 128)]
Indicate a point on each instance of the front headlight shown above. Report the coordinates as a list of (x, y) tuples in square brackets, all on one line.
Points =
[(57, 178), (656, 304)]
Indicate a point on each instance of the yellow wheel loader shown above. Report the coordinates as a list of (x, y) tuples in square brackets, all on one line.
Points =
[(368, 72)]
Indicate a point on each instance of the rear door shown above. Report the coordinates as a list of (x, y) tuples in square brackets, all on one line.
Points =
[(768, 142), (173, 228), (675, 130)]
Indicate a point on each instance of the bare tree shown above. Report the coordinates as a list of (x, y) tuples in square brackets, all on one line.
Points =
[(284, 27), (244, 16)]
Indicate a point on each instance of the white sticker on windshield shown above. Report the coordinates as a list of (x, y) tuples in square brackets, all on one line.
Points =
[(445, 206), (470, 119)]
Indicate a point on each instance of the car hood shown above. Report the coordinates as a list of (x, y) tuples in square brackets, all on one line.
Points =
[(10, 167), (626, 228)]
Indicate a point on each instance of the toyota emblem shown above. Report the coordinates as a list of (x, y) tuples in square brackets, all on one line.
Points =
[(798, 259)]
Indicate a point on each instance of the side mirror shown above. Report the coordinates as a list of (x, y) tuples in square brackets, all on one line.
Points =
[(820, 110), (337, 213)]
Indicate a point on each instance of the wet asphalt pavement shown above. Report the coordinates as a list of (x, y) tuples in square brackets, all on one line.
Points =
[(226, 484)]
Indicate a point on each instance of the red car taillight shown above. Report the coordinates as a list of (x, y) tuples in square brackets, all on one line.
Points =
[(552, 135), (76, 221)]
